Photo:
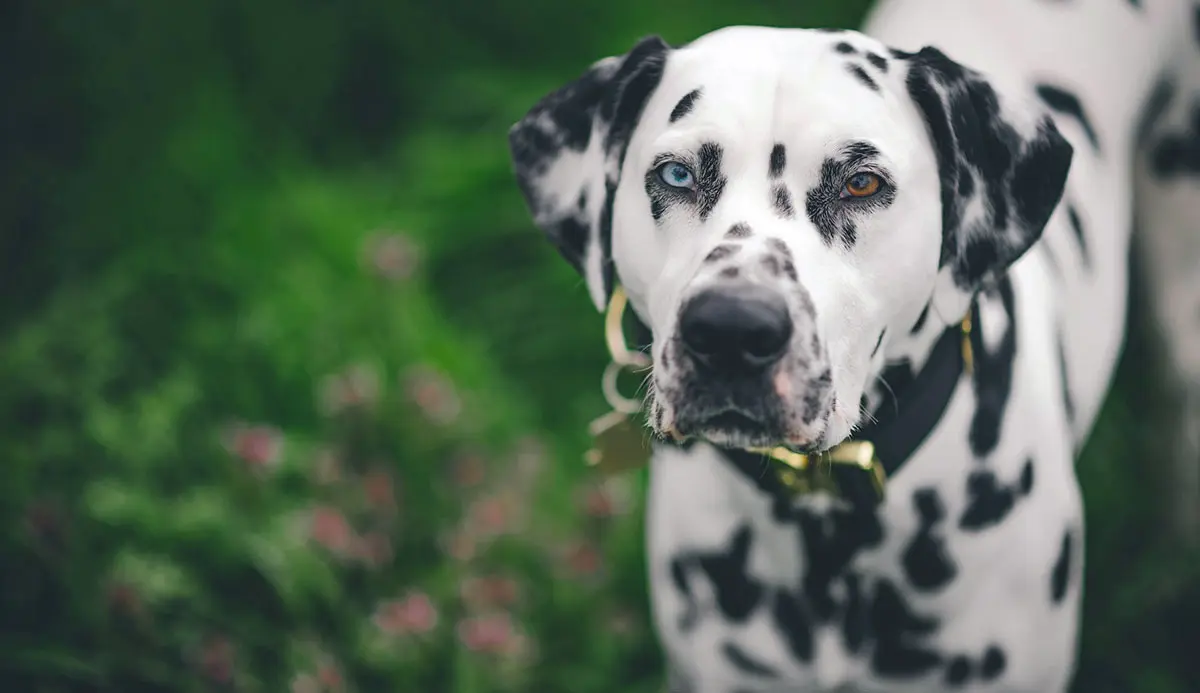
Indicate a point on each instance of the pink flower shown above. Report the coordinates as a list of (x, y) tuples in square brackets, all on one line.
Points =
[(582, 559), (392, 256), (356, 387), (379, 490), (373, 548), (595, 501), (488, 634), (490, 591), (330, 528), (330, 677), (460, 545), (492, 515), (415, 614), (469, 470), (216, 659), (260, 447), (433, 394)]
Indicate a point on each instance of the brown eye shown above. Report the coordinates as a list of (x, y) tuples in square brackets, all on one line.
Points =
[(862, 184)]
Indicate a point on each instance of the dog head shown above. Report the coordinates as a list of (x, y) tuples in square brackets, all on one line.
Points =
[(776, 202)]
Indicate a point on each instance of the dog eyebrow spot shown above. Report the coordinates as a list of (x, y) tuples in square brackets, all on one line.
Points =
[(730, 272), (721, 252), (710, 180), (783, 202), (777, 245), (878, 342), (1059, 99), (685, 105), (844, 47), (772, 264), (863, 77), (789, 268), (778, 161), (738, 230), (878, 61)]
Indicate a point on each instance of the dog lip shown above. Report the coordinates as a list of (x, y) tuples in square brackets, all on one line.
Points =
[(730, 419)]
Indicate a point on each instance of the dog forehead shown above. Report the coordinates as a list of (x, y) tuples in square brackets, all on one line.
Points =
[(798, 84)]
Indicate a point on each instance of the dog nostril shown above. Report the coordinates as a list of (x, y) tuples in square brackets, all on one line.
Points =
[(745, 327), (765, 342)]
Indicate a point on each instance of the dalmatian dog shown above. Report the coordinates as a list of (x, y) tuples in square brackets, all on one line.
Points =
[(802, 219)]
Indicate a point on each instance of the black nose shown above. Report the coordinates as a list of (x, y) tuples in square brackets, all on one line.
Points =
[(739, 329)]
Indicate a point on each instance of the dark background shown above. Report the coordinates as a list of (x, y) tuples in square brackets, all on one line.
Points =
[(292, 394)]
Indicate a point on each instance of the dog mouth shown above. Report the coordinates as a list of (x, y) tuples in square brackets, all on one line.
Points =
[(733, 428)]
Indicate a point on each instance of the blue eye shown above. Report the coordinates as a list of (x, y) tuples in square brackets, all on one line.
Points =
[(676, 175)]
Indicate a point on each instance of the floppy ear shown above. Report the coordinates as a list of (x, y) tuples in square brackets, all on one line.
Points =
[(567, 154), (1002, 164)]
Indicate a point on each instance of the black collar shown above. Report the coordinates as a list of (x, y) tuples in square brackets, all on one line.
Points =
[(902, 422)]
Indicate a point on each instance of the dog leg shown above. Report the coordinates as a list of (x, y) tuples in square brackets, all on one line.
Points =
[(1167, 177)]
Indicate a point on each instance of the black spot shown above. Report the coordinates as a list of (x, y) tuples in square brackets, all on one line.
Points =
[(855, 619), (958, 671), (794, 624), (989, 501), (878, 342), (1077, 227), (992, 376), (710, 182), (830, 541), (1196, 24), (772, 264), (721, 252), (782, 201), (1156, 105), (1025, 482), (1178, 153), (789, 269), (737, 594), (925, 560), (878, 61), (862, 76), (739, 230), (777, 245), (920, 323), (1067, 103), (1060, 576), (730, 272), (845, 48), (778, 161), (685, 105), (898, 632), (746, 664), (993, 664), (1064, 381)]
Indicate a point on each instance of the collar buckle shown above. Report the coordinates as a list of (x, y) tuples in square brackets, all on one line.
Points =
[(850, 470)]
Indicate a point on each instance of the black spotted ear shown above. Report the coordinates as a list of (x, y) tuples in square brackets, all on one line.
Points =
[(1002, 164), (567, 154)]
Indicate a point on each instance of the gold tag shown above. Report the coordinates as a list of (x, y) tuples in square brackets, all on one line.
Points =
[(620, 444)]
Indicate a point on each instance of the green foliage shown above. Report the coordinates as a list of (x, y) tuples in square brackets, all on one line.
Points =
[(292, 394)]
